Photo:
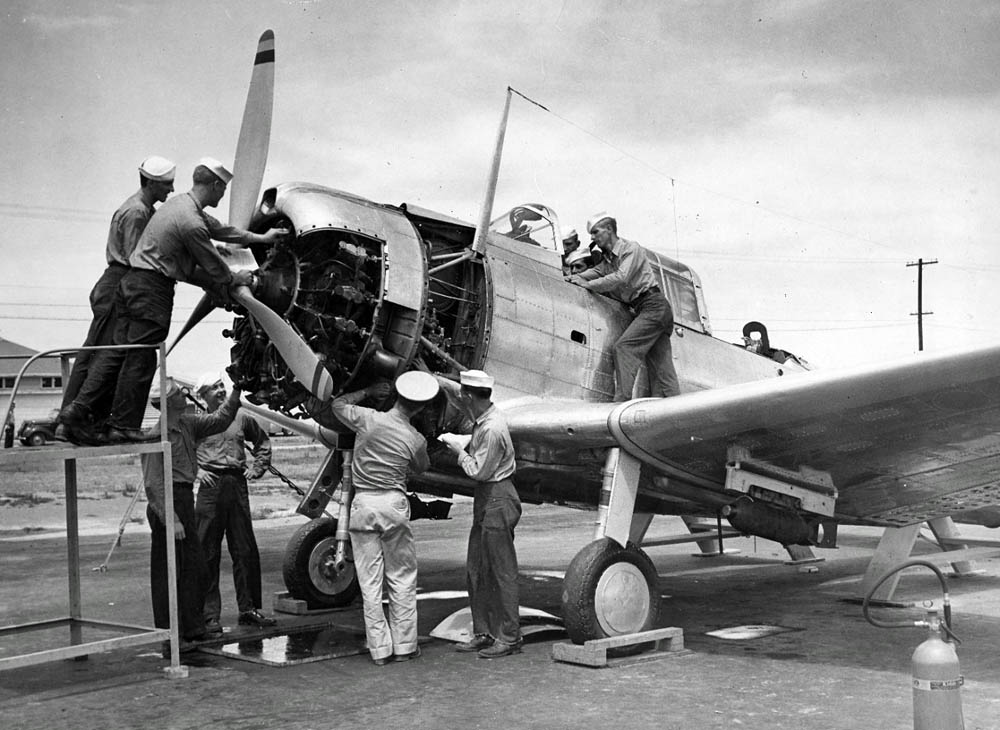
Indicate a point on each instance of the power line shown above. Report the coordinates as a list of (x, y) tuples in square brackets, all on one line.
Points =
[(45, 212), (726, 196), (88, 319), (785, 260)]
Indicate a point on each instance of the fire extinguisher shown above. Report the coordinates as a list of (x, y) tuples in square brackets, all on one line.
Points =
[(937, 678)]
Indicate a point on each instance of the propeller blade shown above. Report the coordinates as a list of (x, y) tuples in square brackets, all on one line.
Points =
[(303, 427), (248, 169), (202, 310), (303, 362), (255, 136)]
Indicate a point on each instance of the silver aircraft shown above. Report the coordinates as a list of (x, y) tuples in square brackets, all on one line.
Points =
[(364, 291)]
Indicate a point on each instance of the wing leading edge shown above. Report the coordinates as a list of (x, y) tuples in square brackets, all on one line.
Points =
[(903, 442)]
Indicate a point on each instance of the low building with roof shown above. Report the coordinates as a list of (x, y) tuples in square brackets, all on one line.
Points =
[(40, 392)]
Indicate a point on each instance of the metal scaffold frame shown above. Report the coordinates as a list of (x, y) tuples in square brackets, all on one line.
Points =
[(69, 454)]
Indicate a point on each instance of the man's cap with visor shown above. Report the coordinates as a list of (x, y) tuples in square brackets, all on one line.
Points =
[(154, 393), (475, 379), (417, 386), (595, 219), (217, 168), (157, 168)]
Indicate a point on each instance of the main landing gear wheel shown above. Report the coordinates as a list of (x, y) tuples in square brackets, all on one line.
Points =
[(610, 591), (309, 570)]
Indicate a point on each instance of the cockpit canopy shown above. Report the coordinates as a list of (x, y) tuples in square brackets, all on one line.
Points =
[(532, 223)]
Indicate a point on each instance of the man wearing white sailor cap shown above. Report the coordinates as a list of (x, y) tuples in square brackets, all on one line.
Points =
[(578, 261), (387, 449), (223, 506), (184, 431), (175, 246), (625, 274), (156, 182), (491, 563)]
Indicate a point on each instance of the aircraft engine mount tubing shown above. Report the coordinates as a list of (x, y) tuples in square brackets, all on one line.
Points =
[(769, 522)]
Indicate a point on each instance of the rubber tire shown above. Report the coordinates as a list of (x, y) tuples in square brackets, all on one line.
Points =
[(36, 439), (580, 614), (317, 535)]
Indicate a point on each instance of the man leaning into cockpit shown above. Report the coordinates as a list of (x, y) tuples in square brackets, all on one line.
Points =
[(625, 274)]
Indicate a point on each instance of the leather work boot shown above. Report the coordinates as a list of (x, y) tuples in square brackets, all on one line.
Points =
[(256, 618), (499, 649), (213, 629), (128, 436), (74, 415), (477, 642), (85, 436)]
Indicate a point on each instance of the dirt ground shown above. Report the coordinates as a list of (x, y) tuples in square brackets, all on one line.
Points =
[(32, 501)]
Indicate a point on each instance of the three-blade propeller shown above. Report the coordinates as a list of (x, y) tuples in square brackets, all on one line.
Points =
[(248, 174)]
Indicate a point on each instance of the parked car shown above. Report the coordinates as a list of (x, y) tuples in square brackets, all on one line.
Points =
[(37, 433)]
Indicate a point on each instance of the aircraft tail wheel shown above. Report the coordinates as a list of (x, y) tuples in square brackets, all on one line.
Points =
[(609, 591), (309, 571)]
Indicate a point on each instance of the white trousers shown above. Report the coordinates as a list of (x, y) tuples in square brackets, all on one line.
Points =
[(385, 556)]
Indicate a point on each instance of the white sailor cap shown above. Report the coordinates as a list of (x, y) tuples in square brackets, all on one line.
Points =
[(595, 219), (207, 380), (570, 234), (217, 168), (157, 168), (579, 255), (475, 379), (417, 386)]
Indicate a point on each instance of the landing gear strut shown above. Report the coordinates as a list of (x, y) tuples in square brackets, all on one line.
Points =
[(610, 590)]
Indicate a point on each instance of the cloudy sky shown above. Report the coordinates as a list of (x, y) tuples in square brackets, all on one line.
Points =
[(798, 155)]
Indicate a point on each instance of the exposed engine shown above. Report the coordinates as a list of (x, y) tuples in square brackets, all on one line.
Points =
[(326, 287), (352, 284)]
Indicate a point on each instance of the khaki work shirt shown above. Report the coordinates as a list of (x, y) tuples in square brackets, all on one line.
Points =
[(623, 274), (184, 437), (127, 225), (227, 450), (177, 243), (387, 448), (489, 457)]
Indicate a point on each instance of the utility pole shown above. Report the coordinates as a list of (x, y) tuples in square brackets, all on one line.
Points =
[(920, 264)]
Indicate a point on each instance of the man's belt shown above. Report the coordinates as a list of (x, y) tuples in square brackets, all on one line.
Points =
[(233, 471), (641, 297), (152, 275)]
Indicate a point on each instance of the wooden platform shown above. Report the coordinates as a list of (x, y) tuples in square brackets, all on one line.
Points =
[(667, 642), (284, 603)]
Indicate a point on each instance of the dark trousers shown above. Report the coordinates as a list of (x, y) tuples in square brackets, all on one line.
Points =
[(491, 566), (101, 332), (223, 510), (191, 576), (647, 340), (145, 302)]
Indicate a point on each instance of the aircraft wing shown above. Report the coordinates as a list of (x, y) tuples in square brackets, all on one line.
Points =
[(903, 442)]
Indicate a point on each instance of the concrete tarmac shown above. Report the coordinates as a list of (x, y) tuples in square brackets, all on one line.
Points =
[(830, 669)]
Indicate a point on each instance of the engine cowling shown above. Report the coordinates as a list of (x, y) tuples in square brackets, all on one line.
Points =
[(351, 282)]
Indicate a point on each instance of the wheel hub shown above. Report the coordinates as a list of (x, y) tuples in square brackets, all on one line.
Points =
[(323, 570), (621, 600)]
